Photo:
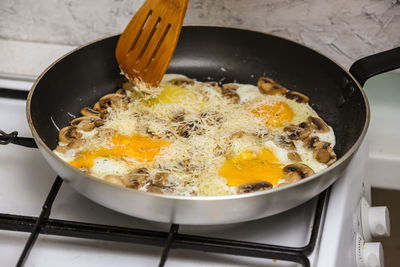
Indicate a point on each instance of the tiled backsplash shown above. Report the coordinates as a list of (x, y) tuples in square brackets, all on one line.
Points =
[(342, 29)]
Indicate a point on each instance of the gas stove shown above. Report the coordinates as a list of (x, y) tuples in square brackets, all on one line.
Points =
[(44, 222)]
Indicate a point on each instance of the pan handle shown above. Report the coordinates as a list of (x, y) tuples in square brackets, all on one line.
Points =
[(366, 67), (6, 138)]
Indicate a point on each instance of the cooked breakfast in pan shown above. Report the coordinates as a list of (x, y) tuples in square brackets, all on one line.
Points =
[(193, 138)]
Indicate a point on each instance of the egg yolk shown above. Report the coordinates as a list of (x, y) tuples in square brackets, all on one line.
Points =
[(252, 167), (174, 94), (140, 148), (274, 114)]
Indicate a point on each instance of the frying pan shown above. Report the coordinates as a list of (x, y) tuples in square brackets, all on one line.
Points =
[(209, 53)]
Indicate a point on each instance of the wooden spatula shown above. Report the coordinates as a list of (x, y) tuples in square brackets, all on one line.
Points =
[(148, 42)]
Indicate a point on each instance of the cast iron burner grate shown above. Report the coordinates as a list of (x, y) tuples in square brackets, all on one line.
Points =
[(172, 239)]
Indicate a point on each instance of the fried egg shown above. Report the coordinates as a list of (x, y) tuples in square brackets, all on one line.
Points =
[(193, 138)]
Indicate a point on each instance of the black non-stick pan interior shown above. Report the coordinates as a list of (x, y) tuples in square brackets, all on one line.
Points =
[(205, 53)]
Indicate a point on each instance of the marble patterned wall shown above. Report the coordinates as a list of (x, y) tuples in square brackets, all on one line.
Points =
[(342, 29)]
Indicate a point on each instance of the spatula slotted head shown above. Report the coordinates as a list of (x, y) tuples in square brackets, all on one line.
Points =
[(147, 44)]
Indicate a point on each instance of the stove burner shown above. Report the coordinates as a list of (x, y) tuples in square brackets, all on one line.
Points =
[(45, 225), (6, 138)]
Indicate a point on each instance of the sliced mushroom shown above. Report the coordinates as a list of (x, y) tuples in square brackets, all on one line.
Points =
[(68, 134), (318, 124), (298, 97), (62, 149), (75, 143), (297, 171), (294, 156), (87, 123), (312, 142), (213, 84), (229, 91), (86, 111), (121, 91), (270, 87), (111, 101), (136, 178), (160, 179), (230, 86), (301, 131), (114, 179), (325, 154), (254, 187), (186, 129), (181, 81), (286, 143)]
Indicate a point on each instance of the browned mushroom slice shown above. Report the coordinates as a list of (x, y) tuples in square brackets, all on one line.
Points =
[(61, 149), (294, 156), (298, 132), (87, 123), (160, 179), (136, 178), (213, 84), (186, 129), (86, 111), (298, 97), (285, 143), (114, 179), (68, 134), (121, 91), (325, 154), (297, 171), (270, 87), (181, 81), (229, 91), (230, 86), (254, 187), (318, 124), (312, 142), (75, 143), (111, 101)]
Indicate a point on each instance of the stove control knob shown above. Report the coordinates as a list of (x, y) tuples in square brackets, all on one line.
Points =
[(375, 221), (368, 254), (373, 254)]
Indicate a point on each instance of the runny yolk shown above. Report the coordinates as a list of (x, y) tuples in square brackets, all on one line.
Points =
[(252, 167), (174, 94), (274, 114), (137, 147)]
